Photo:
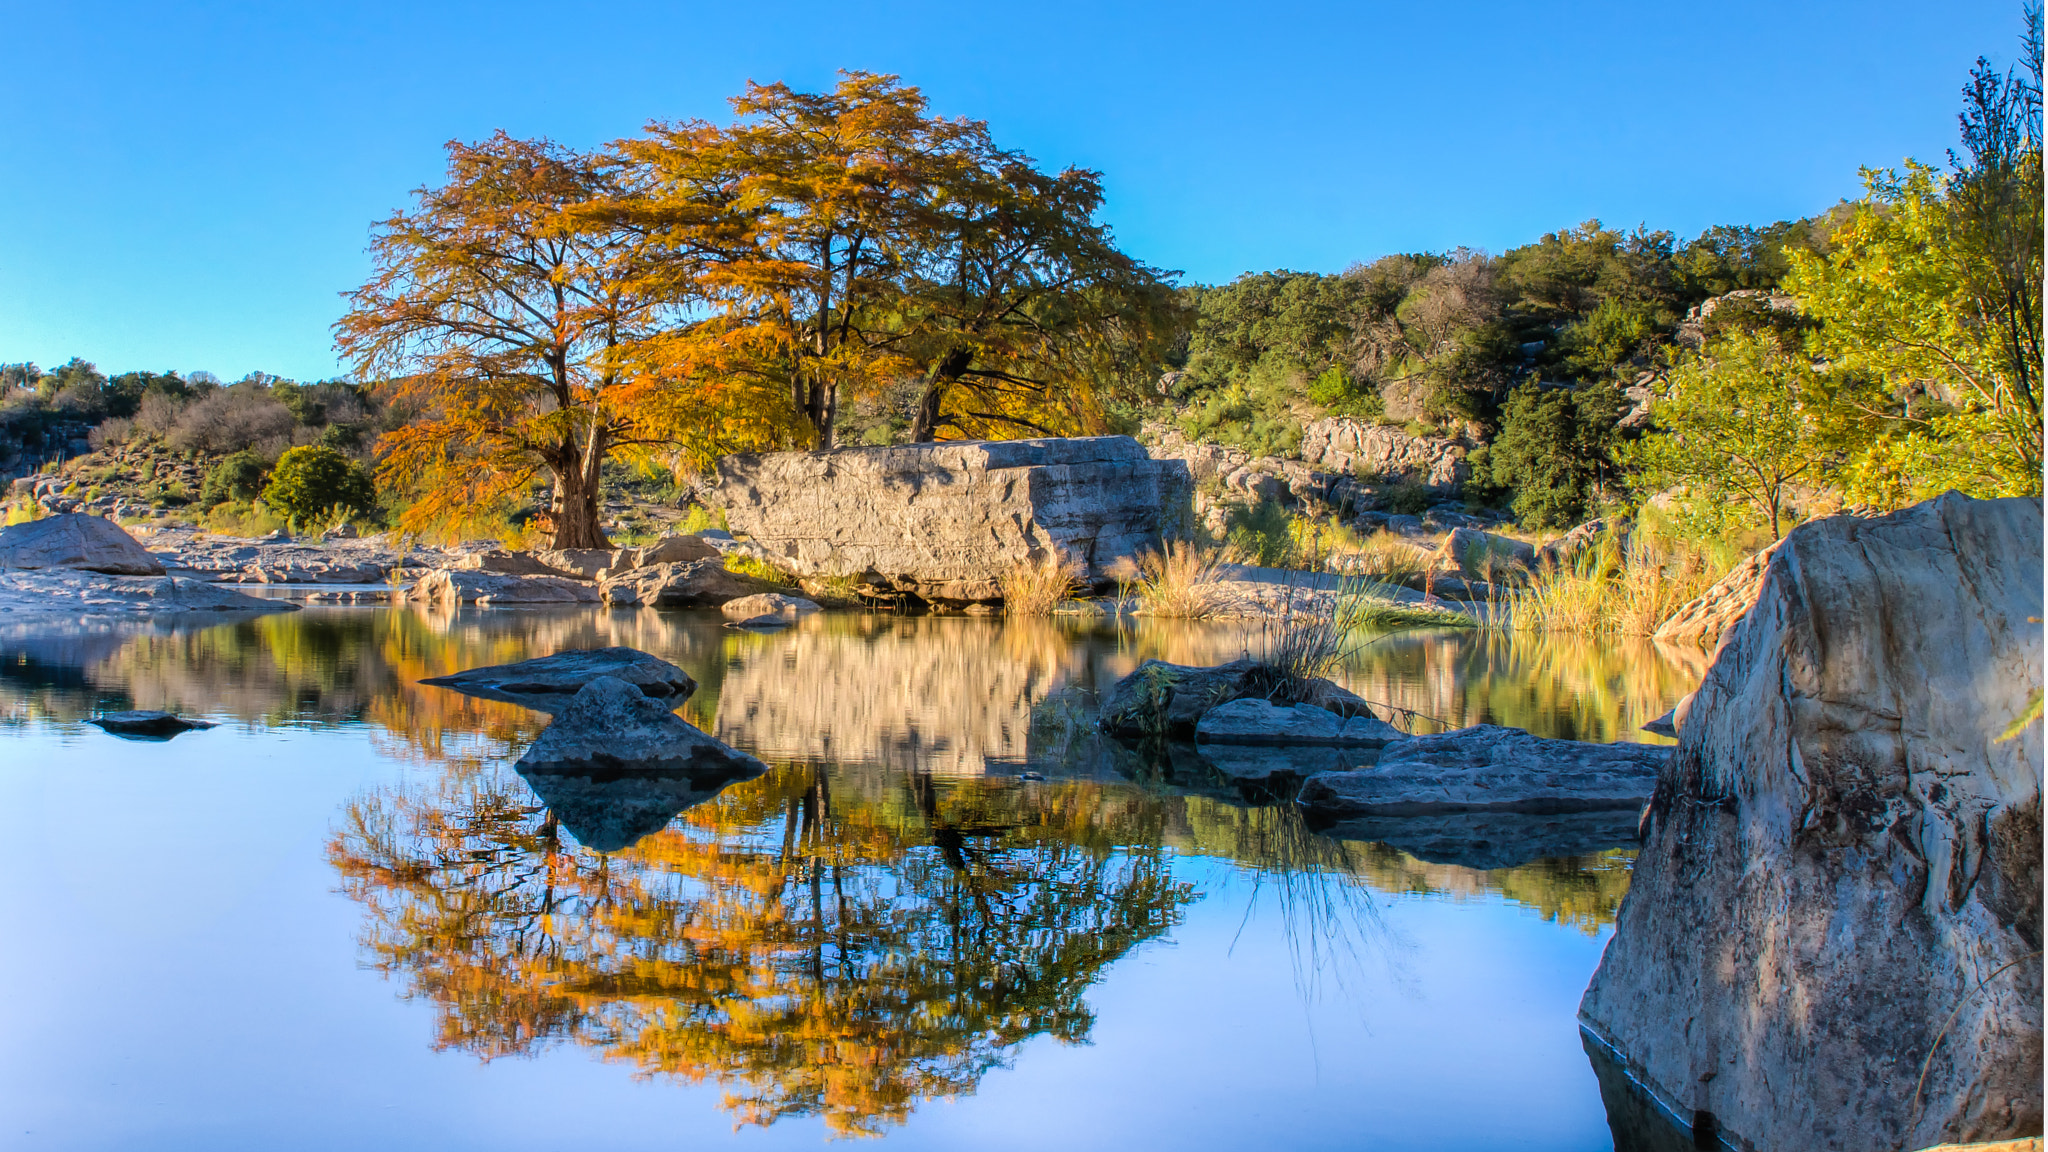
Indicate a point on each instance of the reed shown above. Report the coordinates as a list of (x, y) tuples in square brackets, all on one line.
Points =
[(1180, 581), (1616, 586), (1036, 587)]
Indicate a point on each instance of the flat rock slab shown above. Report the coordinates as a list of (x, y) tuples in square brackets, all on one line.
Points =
[(1254, 721), (768, 604), (146, 725), (695, 584), (548, 683), (610, 727), (1490, 767), (76, 540), (1274, 766), (488, 589), (69, 591), (1490, 838)]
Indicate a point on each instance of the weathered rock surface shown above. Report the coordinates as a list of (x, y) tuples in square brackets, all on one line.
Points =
[(1840, 884), (944, 521), (1566, 549), (489, 589), (74, 592), (610, 726), (768, 604), (1490, 767), (667, 550), (1277, 767), (509, 563), (578, 563), (546, 683), (1255, 721), (1162, 699), (146, 725), (1704, 620), (1348, 445), (697, 584), (1489, 838), (76, 540)]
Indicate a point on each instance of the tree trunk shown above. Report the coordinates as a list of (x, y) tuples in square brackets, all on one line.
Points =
[(924, 427), (576, 511)]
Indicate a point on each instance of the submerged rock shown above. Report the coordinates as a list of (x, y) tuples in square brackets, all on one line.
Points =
[(612, 811), (1491, 838), (611, 726), (1489, 767), (146, 725), (1256, 721), (76, 540), (546, 683), (1839, 893)]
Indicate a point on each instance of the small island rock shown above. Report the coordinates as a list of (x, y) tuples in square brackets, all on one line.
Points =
[(76, 540), (610, 726), (547, 683), (1490, 767)]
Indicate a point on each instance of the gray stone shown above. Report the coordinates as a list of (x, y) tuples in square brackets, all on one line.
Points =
[(1839, 892), (1489, 838), (79, 593), (1562, 552), (1257, 721), (488, 589), (146, 725), (579, 563), (610, 727), (766, 622), (1161, 699), (546, 683), (1376, 450), (1476, 554), (1705, 619), (697, 584), (1405, 525), (768, 604), (945, 521), (75, 540), (508, 563), (1276, 766), (667, 550), (1490, 767)]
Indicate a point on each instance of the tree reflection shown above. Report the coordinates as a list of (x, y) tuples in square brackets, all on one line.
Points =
[(814, 954)]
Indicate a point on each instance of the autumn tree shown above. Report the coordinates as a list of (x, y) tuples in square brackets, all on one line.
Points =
[(496, 312)]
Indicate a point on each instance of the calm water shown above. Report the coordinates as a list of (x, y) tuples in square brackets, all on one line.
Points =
[(340, 920)]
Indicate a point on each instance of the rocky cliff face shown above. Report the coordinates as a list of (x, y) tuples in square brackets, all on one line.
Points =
[(944, 521), (1832, 939), (1345, 445)]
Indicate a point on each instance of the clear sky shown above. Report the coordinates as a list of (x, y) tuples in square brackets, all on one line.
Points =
[(190, 185)]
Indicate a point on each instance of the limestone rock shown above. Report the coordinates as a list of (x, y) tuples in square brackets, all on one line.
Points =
[(1562, 552), (697, 584), (1169, 699), (145, 725), (74, 592), (579, 563), (546, 683), (768, 604), (1277, 768), (1704, 620), (489, 589), (1375, 450), (667, 550), (76, 540), (610, 727), (945, 521), (510, 564), (1840, 883), (1256, 721), (1488, 767)]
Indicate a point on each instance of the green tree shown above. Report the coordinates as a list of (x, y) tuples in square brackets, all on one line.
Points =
[(1733, 432), (310, 482), (238, 477), (1554, 448)]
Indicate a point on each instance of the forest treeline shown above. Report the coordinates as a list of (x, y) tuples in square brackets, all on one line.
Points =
[(847, 268)]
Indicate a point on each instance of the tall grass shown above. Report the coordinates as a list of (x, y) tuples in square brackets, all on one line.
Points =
[(1036, 587), (1615, 586), (1180, 581)]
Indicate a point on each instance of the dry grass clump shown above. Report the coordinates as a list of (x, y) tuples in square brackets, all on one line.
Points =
[(1629, 586), (1383, 556), (1036, 587), (1178, 582)]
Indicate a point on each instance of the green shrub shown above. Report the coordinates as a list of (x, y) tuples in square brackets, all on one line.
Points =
[(1554, 447), (310, 483), (1263, 535), (238, 477)]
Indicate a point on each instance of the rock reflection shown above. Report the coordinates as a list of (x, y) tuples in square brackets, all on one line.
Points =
[(813, 949)]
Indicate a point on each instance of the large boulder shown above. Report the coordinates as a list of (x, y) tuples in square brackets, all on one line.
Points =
[(697, 584), (1703, 620), (490, 589), (1161, 699), (77, 593), (1488, 767), (667, 550), (76, 540), (1832, 938), (768, 604), (508, 563), (580, 563), (946, 521), (546, 683), (1478, 555), (611, 727)]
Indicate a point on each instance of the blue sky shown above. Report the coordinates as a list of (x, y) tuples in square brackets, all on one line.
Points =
[(191, 185)]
